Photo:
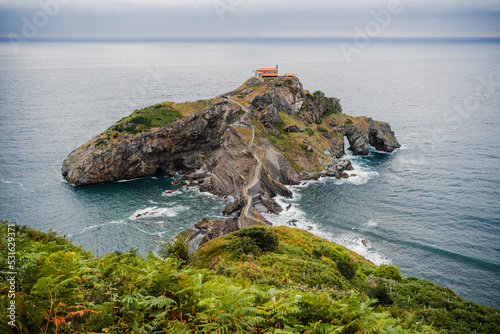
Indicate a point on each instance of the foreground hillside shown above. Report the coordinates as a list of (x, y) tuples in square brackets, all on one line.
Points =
[(255, 280)]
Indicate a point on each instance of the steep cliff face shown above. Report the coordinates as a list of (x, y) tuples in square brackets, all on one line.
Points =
[(179, 146), (247, 144), (231, 165)]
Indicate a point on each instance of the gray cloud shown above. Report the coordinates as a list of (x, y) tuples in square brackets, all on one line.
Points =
[(233, 18)]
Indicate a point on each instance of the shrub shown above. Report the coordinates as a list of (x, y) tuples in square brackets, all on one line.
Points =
[(381, 292), (310, 131), (255, 239), (389, 272), (321, 129), (345, 265), (278, 125), (140, 120), (130, 129), (304, 146), (349, 121), (117, 127), (245, 244), (177, 247), (99, 141)]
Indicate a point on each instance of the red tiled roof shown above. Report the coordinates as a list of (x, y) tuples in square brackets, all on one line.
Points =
[(290, 75), (266, 69)]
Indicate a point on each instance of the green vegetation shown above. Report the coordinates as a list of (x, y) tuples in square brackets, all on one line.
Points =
[(280, 280), (310, 131), (99, 141), (389, 272), (278, 125), (288, 143), (330, 108), (304, 146), (344, 263), (321, 129), (157, 115), (177, 248), (254, 240), (318, 98)]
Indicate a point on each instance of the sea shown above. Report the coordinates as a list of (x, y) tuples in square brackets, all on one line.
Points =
[(432, 208)]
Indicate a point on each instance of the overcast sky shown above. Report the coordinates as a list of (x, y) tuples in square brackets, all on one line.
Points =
[(250, 18)]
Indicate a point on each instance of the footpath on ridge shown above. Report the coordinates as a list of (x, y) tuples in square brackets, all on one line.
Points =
[(246, 219)]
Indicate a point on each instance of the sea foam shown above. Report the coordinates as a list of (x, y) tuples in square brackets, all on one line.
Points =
[(350, 240), (153, 212)]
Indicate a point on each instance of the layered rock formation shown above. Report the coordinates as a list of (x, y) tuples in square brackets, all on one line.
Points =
[(268, 132), (179, 146), (374, 133)]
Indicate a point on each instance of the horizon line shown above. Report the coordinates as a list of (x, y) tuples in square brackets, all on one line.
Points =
[(6, 38)]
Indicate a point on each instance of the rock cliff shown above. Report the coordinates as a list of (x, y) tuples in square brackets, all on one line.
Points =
[(248, 143)]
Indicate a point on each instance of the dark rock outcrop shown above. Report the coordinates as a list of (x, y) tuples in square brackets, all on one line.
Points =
[(189, 234), (233, 207), (334, 168), (367, 132), (285, 95), (317, 105), (293, 129), (271, 205), (217, 228)]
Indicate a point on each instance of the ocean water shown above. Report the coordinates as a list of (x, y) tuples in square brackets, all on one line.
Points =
[(432, 208)]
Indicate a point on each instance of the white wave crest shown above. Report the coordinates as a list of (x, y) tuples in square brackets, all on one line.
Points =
[(296, 218), (128, 180), (153, 212), (168, 193)]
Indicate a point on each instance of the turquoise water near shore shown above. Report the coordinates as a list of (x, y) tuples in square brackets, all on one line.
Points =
[(432, 208)]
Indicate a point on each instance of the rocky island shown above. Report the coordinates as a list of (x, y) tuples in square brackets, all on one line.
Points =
[(247, 144)]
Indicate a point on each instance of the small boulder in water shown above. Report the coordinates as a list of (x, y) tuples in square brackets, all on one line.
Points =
[(168, 192), (200, 174)]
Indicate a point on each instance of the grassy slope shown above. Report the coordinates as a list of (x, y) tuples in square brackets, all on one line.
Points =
[(149, 118), (242, 282)]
